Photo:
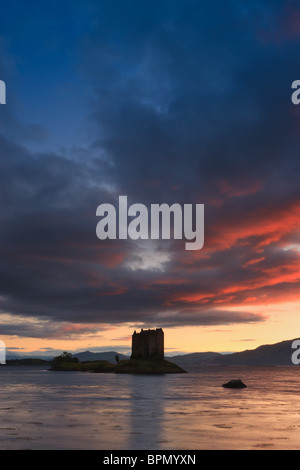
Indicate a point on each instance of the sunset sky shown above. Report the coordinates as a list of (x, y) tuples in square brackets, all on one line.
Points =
[(166, 102)]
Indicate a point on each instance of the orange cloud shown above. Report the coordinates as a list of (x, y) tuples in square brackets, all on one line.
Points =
[(254, 261), (268, 224)]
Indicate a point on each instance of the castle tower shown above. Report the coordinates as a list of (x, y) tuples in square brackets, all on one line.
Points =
[(148, 344)]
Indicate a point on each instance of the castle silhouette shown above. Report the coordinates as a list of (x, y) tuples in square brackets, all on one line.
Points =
[(148, 344)]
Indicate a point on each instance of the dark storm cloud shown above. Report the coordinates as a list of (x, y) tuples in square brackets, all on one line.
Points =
[(188, 103), (189, 93)]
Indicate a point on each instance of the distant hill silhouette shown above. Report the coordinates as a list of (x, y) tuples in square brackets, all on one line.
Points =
[(27, 362), (278, 354), (99, 356), (196, 358)]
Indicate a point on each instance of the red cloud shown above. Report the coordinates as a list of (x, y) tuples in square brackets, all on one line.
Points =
[(230, 270), (267, 224)]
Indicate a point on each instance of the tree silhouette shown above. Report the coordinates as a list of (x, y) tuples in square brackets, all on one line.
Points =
[(63, 358)]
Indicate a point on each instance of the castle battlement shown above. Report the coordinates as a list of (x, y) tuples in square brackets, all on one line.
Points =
[(148, 344)]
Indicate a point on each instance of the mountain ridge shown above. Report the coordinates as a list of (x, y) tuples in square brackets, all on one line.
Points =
[(277, 354), (267, 354)]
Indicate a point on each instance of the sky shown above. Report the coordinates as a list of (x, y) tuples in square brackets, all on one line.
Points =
[(166, 102)]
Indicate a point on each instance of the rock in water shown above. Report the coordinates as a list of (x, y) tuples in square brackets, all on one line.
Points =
[(234, 384)]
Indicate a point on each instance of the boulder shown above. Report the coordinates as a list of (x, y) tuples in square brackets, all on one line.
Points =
[(234, 384)]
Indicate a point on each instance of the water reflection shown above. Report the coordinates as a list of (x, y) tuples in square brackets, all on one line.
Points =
[(147, 411), (43, 410)]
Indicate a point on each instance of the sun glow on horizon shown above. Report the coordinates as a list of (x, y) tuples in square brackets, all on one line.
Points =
[(281, 322)]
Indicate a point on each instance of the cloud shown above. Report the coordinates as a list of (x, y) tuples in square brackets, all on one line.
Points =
[(183, 106)]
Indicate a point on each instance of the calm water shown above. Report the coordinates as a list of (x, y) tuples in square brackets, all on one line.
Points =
[(73, 410)]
